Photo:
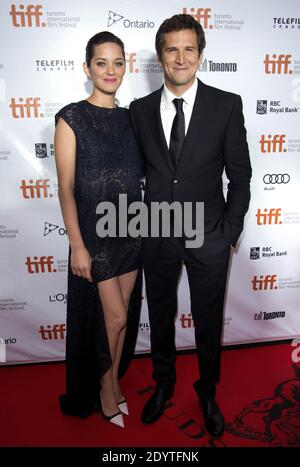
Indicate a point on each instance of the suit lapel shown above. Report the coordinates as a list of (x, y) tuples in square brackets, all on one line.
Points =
[(196, 126), (155, 123)]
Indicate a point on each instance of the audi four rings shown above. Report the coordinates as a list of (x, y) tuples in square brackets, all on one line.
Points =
[(276, 178)]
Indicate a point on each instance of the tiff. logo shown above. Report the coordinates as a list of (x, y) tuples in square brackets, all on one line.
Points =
[(27, 18), (202, 15), (131, 60), (269, 216), (40, 264), (186, 321), (55, 332), (264, 282), (28, 110), (278, 65), (35, 189), (272, 143)]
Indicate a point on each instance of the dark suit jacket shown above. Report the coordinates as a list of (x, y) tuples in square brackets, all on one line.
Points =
[(216, 139)]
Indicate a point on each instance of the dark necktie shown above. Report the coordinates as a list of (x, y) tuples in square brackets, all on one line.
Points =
[(177, 132)]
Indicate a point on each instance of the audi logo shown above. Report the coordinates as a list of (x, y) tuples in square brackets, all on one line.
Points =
[(276, 178)]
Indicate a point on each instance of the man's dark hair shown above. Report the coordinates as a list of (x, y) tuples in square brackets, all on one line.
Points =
[(178, 23), (101, 38)]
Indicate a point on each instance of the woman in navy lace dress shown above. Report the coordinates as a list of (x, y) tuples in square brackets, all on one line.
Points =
[(97, 160)]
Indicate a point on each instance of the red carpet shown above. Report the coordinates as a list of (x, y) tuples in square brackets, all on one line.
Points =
[(259, 394)]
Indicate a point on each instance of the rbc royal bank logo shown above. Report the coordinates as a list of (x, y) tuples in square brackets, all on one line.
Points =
[(27, 16)]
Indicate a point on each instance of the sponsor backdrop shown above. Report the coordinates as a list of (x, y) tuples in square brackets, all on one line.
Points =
[(252, 49)]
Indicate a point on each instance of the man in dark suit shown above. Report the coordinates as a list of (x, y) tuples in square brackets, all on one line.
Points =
[(189, 133)]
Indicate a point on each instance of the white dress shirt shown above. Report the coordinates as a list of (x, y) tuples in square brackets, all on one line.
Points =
[(168, 110)]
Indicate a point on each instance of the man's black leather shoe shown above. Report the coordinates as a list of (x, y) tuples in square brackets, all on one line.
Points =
[(213, 418), (154, 407)]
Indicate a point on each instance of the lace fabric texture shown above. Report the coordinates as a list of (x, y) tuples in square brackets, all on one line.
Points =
[(107, 164)]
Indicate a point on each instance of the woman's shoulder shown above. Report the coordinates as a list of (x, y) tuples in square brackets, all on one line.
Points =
[(70, 113)]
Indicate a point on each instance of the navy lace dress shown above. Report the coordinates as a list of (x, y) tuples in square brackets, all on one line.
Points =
[(107, 164)]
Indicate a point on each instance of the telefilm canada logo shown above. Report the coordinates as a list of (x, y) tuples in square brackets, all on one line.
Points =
[(55, 64), (286, 22), (114, 17)]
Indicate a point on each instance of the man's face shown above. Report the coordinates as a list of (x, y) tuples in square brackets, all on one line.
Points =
[(180, 58)]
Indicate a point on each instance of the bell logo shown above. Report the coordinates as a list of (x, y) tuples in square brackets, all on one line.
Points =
[(272, 143), (131, 60), (202, 15), (264, 282), (278, 64), (39, 265), (28, 18), (35, 189), (28, 109), (55, 332), (269, 216)]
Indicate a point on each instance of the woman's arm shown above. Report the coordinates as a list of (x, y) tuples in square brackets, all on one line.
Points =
[(65, 154)]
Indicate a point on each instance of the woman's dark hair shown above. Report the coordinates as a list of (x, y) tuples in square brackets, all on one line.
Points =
[(101, 38), (177, 23)]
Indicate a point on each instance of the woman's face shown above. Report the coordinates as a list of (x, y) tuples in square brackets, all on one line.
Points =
[(107, 67)]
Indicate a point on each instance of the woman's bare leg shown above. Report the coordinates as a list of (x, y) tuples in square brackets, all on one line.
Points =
[(115, 320), (126, 282)]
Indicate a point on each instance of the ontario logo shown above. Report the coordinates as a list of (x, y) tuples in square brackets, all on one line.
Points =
[(50, 228), (114, 18)]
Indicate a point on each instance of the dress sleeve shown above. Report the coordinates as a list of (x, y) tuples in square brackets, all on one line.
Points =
[(68, 113)]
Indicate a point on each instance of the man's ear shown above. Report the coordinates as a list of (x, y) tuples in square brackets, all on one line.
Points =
[(86, 70), (200, 58)]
